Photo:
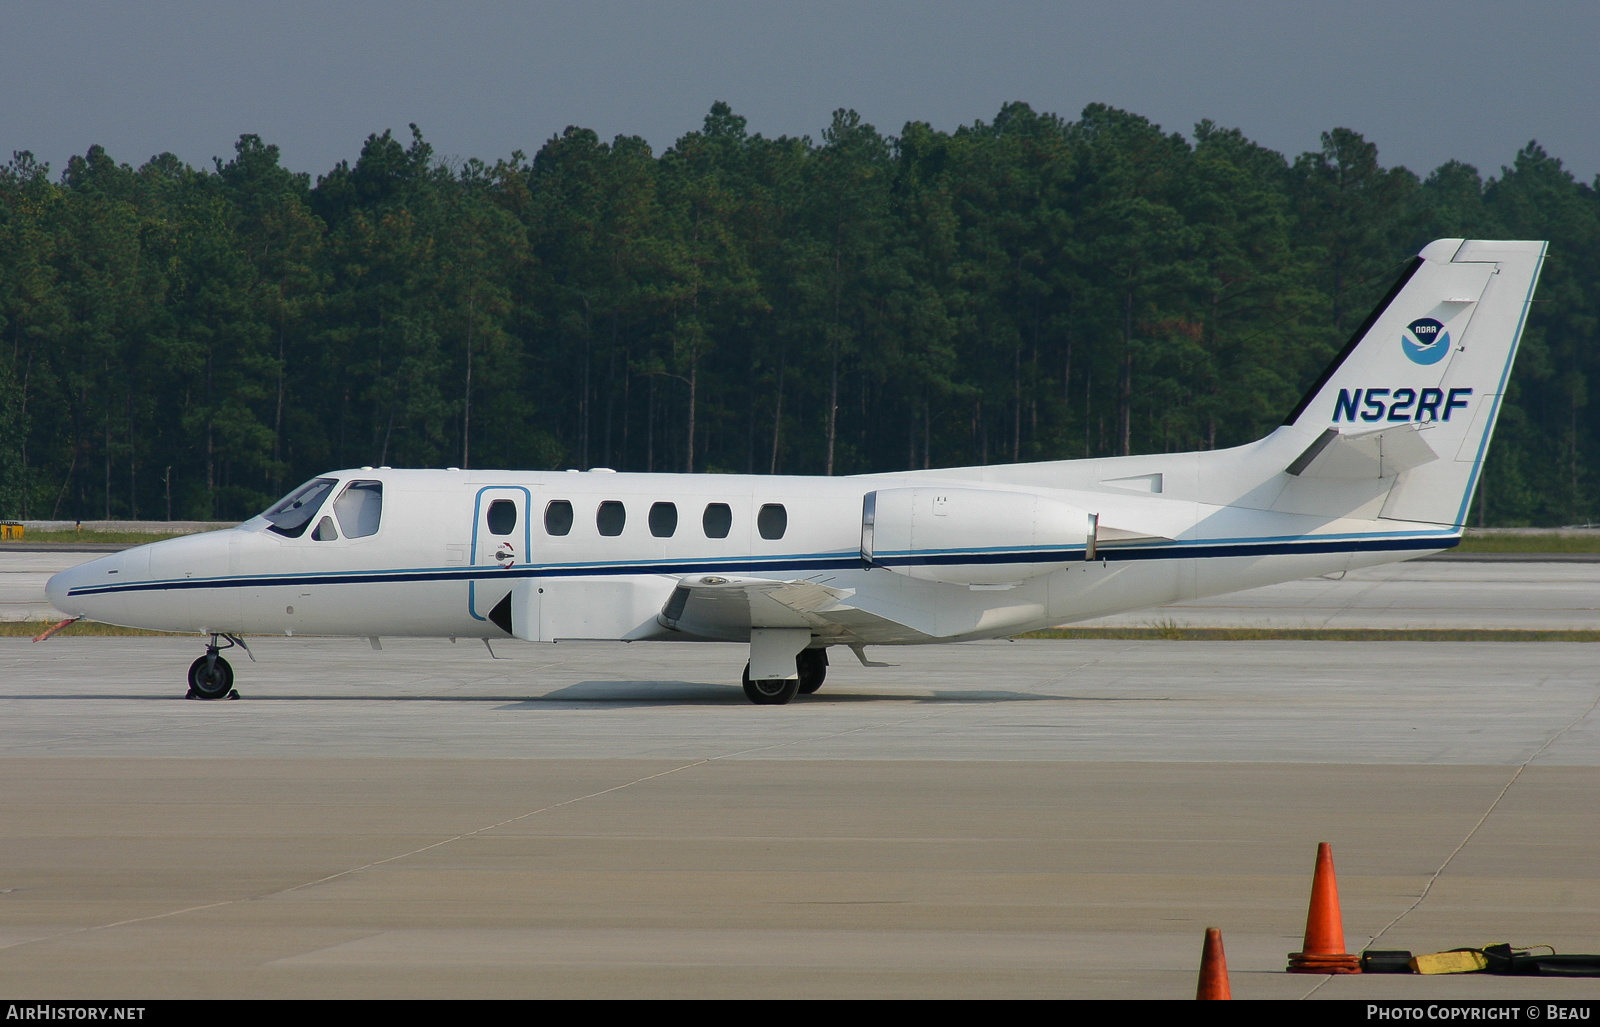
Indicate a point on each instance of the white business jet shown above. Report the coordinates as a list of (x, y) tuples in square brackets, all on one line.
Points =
[(1377, 463)]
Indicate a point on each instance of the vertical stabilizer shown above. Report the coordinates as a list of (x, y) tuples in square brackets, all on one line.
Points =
[(1429, 366)]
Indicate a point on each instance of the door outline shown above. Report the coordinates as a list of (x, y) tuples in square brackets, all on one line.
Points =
[(477, 522)]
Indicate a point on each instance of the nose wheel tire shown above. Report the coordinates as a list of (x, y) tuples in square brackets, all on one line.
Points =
[(769, 693), (210, 677)]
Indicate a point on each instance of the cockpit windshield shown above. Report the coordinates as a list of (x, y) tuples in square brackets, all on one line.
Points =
[(294, 511)]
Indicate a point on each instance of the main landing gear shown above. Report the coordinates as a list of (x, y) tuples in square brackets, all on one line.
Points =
[(812, 665), (211, 676)]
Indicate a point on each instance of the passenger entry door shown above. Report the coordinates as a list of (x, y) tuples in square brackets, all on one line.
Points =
[(501, 539)]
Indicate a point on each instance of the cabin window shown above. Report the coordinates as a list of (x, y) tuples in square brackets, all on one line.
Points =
[(558, 517), (772, 521), (359, 508), (664, 520), (293, 512), (325, 531), (718, 520), (502, 519), (610, 517)]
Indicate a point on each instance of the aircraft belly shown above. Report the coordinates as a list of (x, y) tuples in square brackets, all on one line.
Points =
[(1096, 589), (964, 612), (391, 608), (200, 609), (1231, 574), (176, 609), (425, 608), (1360, 560), (596, 607)]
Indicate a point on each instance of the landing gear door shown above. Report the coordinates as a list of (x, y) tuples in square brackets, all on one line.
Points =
[(501, 538)]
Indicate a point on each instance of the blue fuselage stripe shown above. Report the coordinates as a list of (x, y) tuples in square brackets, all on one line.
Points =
[(807, 563)]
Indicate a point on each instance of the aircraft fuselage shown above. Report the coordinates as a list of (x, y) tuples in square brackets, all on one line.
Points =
[(437, 566)]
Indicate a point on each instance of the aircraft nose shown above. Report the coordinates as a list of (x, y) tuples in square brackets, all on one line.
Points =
[(59, 585), (59, 588)]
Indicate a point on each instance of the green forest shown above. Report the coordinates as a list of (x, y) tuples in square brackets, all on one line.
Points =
[(181, 342)]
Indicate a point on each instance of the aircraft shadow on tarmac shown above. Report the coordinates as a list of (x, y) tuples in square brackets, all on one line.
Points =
[(677, 693), (622, 694)]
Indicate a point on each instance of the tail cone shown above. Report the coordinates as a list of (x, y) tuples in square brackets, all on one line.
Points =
[(1323, 948)]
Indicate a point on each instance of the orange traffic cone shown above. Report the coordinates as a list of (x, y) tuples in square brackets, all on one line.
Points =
[(1213, 969), (1323, 948)]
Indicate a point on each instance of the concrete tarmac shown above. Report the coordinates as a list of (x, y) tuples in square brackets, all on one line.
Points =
[(23, 574), (1051, 818)]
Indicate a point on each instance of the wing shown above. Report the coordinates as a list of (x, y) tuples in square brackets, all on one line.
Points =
[(722, 607)]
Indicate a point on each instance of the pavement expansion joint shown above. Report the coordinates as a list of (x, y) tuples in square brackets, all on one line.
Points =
[(1515, 774)]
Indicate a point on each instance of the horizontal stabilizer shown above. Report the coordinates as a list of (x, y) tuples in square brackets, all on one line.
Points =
[(1381, 453), (1105, 534)]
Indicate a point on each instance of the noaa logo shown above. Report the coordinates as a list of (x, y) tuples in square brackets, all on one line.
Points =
[(1425, 341)]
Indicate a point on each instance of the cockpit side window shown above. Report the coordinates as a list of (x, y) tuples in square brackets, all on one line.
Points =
[(359, 508), (293, 512)]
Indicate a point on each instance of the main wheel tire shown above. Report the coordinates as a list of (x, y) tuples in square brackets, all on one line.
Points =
[(210, 679), (813, 667), (769, 693)]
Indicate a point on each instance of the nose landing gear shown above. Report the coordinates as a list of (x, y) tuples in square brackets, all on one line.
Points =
[(211, 676)]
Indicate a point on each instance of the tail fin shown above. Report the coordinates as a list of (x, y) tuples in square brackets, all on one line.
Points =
[(1415, 394)]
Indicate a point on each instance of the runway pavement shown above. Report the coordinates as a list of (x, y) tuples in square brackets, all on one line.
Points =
[(1045, 818), (23, 574)]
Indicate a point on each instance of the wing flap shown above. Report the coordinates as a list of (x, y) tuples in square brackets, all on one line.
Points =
[(724, 607)]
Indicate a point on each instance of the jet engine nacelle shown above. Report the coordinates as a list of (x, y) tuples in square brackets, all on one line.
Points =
[(972, 536)]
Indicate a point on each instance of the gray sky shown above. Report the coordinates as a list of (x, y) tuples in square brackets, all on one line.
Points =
[(1427, 81)]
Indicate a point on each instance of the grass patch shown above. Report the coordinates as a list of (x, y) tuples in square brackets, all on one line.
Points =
[(1589, 542), (30, 628), (1172, 633), (135, 537)]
